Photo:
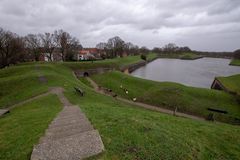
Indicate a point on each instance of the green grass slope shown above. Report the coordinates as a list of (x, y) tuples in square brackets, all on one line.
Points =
[(184, 56), (23, 126), (108, 63), (170, 95), (235, 62), (231, 83), (128, 132)]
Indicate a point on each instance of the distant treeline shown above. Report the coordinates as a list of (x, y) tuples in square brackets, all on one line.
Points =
[(215, 54), (15, 48), (172, 48)]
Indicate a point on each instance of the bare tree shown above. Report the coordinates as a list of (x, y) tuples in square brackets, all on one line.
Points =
[(101, 45), (11, 48), (63, 42), (131, 49), (144, 50), (33, 45), (115, 46), (67, 44), (169, 48), (157, 50), (73, 49), (49, 43)]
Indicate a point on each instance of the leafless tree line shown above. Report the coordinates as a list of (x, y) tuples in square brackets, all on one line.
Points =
[(115, 47), (14, 48), (171, 48)]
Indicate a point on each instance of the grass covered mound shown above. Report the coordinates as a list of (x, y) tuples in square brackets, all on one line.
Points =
[(128, 132), (231, 83), (22, 82), (190, 56), (108, 63), (235, 62), (184, 56), (23, 126), (170, 95), (19, 83)]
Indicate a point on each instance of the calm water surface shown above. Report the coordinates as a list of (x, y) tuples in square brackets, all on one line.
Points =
[(197, 73)]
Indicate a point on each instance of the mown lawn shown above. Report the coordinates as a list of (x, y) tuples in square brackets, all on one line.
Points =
[(128, 132), (232, 83), (170, 95), (235, 62), (23, 126)]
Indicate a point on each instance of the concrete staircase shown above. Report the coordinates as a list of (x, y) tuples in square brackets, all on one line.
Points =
[(70, 136), (3, 111)]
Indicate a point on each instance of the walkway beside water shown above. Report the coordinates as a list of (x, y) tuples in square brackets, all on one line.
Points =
[(143, 105)]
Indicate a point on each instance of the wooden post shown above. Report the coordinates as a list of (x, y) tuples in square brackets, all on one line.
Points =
[(175, 111)]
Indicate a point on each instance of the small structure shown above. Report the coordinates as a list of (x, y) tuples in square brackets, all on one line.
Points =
[(89, 72), (89, 54), (217, 85), (78, 90), (3, 111)]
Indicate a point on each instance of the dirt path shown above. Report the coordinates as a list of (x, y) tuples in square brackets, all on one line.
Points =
[(56, 90), (28, 100), (147, 106)]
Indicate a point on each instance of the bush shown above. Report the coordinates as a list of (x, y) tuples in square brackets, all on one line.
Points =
[(144, 57)]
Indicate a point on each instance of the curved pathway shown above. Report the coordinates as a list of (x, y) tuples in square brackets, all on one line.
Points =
[(143, 105)]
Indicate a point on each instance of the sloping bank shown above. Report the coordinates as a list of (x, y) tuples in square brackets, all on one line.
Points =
[(191, 100), (229, 84), (126, 64)]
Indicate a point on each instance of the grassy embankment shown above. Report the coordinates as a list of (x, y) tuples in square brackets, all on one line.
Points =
[(24, 125), (184, 56), (128, 132), (170, 95), (21, 82), (235, 62), (231, 83), (109, 63)]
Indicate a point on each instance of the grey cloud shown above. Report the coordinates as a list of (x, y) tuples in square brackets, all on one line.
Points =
[(201, 24)]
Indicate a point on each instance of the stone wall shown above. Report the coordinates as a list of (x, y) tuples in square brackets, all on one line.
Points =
[(133, 67), (89, 72)]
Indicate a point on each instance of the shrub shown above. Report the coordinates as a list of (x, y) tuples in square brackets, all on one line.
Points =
[(144, 57)]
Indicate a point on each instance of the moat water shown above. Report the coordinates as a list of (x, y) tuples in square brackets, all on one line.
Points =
[(196, 73)]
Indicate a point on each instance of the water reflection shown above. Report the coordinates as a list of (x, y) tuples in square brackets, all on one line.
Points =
[(198, 73)]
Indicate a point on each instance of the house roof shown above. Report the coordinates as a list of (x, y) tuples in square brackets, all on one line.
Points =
[(82, 52), (88, 50)]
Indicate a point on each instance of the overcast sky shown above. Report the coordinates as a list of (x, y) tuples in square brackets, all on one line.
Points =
[(208, 25)]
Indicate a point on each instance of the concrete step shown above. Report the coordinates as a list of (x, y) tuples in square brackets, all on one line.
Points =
[(54, 135), (70, 127), (67, 121), (62, 114), (69, 117), (73, 147), (69, 113), (3, 111), (71, 108)]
